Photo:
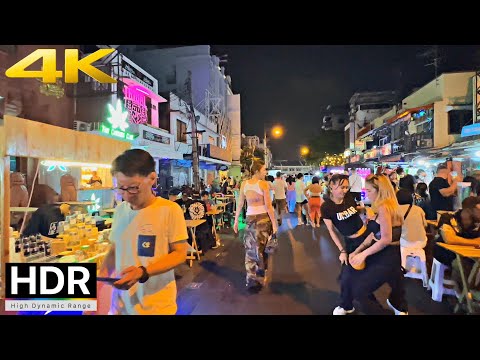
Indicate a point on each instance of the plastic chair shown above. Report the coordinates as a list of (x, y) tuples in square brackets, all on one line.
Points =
[(417, 270), (437, 282)]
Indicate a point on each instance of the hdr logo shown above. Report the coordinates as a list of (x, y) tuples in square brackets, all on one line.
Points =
[(50, 287)]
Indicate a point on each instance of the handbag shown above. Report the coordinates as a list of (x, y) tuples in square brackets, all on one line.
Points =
[(272, 244)]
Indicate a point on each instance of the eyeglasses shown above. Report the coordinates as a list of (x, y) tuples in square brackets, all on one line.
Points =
[(131, 190)]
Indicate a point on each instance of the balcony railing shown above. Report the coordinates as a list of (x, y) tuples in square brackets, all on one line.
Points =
[(420, 141)]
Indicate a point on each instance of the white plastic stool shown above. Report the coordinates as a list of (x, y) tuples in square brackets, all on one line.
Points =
[(437, 282), (418, 256)]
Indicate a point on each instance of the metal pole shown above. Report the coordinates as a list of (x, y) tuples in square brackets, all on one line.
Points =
[(195, 161), (265, 152)]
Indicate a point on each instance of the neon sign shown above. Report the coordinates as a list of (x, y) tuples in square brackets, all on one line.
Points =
[(136, 106), (118, 123)]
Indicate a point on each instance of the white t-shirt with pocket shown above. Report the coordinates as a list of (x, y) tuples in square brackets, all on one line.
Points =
[(142, 237)]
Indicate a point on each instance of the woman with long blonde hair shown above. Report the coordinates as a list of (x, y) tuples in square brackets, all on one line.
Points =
[(380, 252)]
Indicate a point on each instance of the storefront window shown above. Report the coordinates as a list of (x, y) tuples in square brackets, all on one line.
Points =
[(457, 119)]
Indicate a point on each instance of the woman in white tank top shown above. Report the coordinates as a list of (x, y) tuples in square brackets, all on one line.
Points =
[(260, 224)]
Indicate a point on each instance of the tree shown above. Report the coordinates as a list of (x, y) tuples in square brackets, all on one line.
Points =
[(248, 155), (327, 142)]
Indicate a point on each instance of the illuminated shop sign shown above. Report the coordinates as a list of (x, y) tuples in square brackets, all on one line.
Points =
[(135, 104), (386, 149), (371, 154), (471, 130), (118, 123), (137, 75), (147, 135)]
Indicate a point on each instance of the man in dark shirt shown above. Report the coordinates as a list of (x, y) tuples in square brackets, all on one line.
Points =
[(441, 192), (407, 181), (184, 202), (45, 220)]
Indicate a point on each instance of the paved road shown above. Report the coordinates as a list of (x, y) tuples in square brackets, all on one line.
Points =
[(302, 279)]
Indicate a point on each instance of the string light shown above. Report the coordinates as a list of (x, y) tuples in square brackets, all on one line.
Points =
[(333, 160)]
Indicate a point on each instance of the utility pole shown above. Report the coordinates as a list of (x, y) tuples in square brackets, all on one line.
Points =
[(433, 55), (265, 150), (194, 133)]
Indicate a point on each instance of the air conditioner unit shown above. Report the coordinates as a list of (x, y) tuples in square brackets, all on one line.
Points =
[(81, 126)]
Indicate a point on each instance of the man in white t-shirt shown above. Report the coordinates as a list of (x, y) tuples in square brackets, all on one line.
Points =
[(301, 199), (280, 190), (149, 239), (355, 182)]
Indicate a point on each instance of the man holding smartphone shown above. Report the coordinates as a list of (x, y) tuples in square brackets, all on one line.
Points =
[(149, 239)]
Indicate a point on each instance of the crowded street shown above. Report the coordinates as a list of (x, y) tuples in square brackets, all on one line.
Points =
[(302, 280), (142, 179)]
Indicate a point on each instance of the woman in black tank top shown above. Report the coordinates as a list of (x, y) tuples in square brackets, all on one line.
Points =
[(381, 249)]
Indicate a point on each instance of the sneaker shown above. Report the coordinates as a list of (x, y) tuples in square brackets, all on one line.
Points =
[(397, 312), (254, 286), (341, 311), (300, 222)]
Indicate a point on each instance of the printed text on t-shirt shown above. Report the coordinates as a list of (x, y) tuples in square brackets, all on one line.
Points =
[(347, 213)]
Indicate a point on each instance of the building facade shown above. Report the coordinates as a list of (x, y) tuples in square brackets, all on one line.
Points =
[(429, 119)]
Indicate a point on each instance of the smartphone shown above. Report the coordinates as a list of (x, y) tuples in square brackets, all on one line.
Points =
[(108, 279)]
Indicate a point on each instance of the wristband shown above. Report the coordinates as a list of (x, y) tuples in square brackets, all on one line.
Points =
[(145, 275)]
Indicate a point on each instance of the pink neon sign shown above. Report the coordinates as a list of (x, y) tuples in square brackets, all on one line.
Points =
[(135, 105)]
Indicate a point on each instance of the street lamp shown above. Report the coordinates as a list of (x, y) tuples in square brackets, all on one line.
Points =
[(277, 132), (304, 150)]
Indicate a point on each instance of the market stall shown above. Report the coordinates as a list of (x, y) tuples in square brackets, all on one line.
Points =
[(38, 142)]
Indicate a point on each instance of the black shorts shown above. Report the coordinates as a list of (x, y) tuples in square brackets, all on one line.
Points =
[(303, 202)]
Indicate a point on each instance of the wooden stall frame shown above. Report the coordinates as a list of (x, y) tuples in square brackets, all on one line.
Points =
[(33, 139)]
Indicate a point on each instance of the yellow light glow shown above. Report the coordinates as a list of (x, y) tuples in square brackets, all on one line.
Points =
[(304, 150), (277, 131), (73, 163)]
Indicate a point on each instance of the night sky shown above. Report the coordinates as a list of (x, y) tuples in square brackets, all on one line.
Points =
[(293, 84)]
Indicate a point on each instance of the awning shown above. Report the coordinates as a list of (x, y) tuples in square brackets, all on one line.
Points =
[(391, 158), (408, 111), (214, 161)]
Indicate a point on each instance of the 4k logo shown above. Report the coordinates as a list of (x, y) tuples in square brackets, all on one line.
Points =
[(49, 72), (146, 244)]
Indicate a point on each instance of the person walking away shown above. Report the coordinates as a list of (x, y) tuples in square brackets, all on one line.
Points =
[(291, 195), (313, 192), (260, 224), (280, 188), (302, 202)]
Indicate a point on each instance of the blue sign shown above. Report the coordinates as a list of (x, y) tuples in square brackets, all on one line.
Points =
[(471, 130)]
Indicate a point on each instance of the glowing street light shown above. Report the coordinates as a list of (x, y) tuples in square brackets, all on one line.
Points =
[(277, 131), (304, 150)]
